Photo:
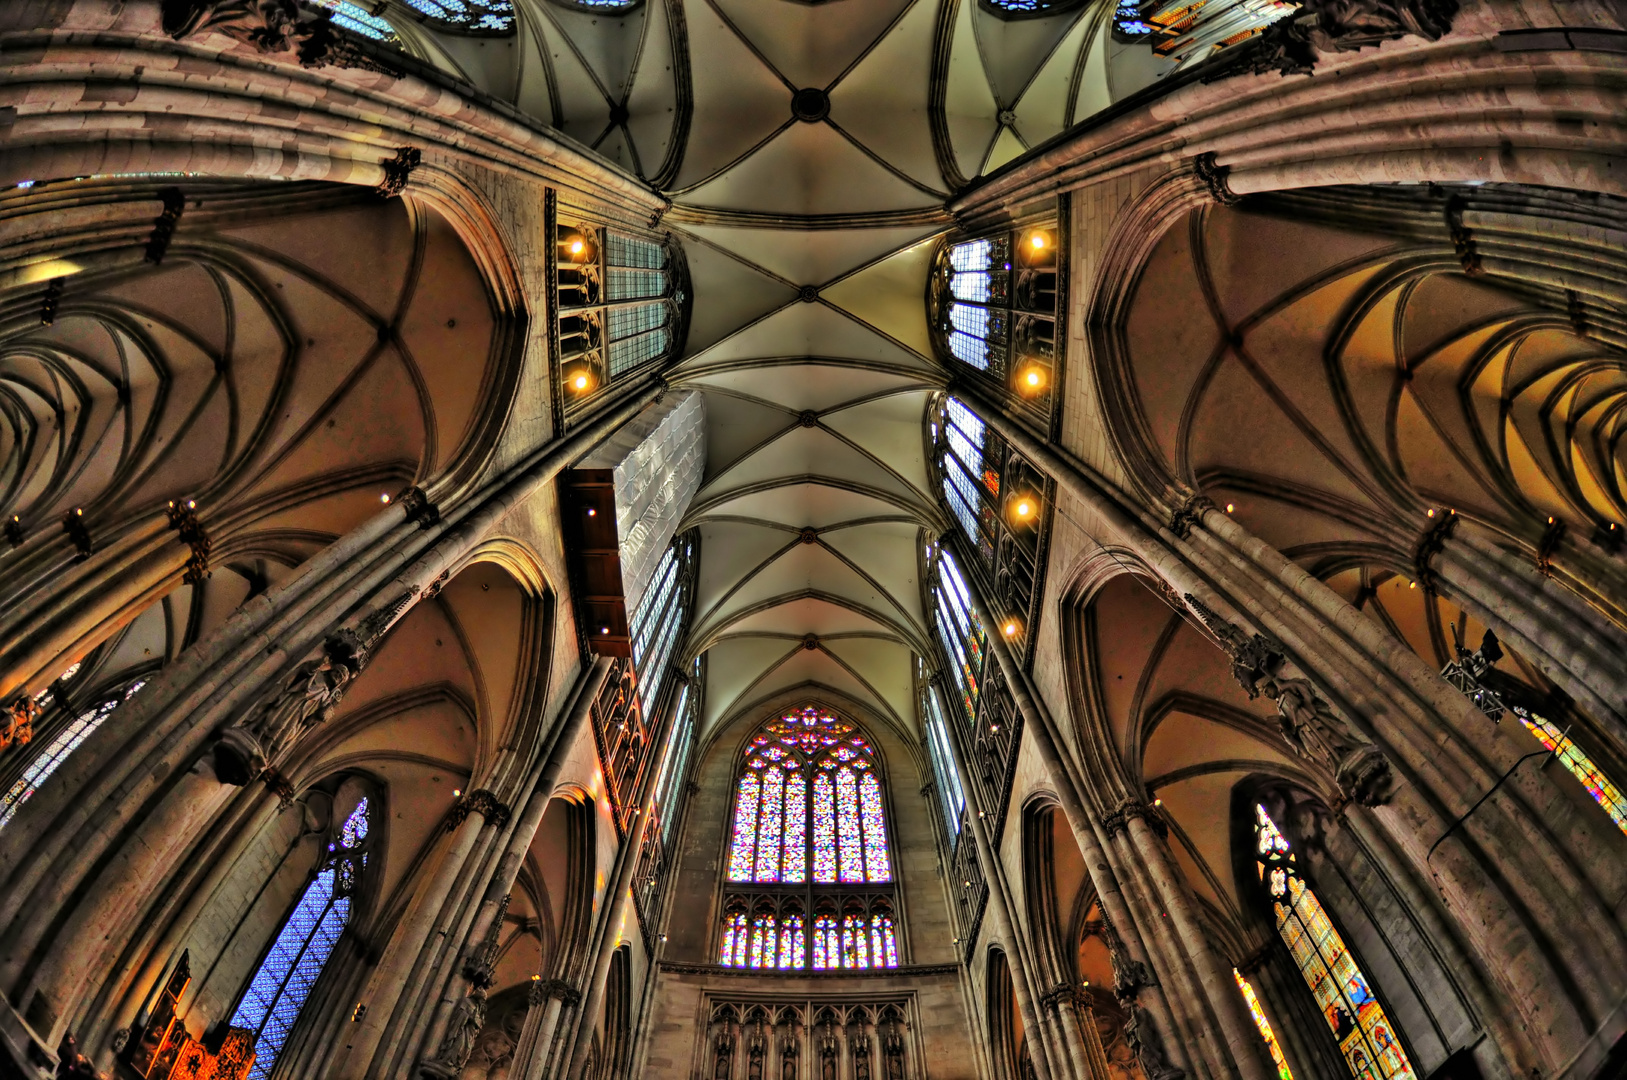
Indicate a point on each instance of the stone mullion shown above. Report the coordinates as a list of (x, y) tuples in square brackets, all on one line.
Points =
[(612, 911)]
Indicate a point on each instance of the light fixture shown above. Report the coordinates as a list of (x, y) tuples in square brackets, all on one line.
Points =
[(385, 498), (1032, 378), (1158, 802), (1023, 506), (604, 629), (592, 512), (1011, 628), (1431, 513), (575, 246), (457, 793), (580, 378), (1230, 507), (1038, 240), (1412, 584)]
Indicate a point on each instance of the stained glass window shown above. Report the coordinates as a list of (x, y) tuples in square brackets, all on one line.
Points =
[(951, 796), (481, 16), (620, 296), (656, 624), (1260, 1021), (809, 811), (962, 633), (993, 301), (359, 20), (66, 741), (1368, 1040), (279, 988), (1186, 31), (1577, 763)]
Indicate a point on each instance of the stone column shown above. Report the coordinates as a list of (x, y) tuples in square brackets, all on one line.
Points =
[(1038, 722), (507, 870), (618, 899)]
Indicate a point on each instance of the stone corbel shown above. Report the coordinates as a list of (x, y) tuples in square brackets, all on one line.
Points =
[(1308, 723), (1195, 505), (1213, 176), (396, 173), (183, 518), (418, 508)]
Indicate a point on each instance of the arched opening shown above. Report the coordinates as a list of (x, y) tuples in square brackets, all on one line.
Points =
[(1008, 1046), (809, 835)]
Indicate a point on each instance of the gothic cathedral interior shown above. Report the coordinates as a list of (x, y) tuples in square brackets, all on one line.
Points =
[(813, 539)]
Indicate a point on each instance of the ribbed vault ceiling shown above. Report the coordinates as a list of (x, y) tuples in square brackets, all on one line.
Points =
[(809, 242)]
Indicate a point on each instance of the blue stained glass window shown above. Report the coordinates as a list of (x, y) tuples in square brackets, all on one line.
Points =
[(655, 627), (48, 760), (360, 21), (495, 16), (962, 633), (275, 995)]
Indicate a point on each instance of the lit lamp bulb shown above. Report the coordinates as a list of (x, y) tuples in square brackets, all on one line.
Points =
[(1032, 378), (577, 247), (1038, 241), (1024, 509), (1011, 628), (580, 382)]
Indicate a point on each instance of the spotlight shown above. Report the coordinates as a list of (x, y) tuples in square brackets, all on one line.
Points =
[(1023, 507), (1011, 628), (1230, 507), (385, 498), (1032, 378), (1038, 240)]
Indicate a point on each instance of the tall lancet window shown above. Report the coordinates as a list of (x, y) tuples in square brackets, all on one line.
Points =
[(809, 833), (68, 739), (1365, 1035), (290, 969)]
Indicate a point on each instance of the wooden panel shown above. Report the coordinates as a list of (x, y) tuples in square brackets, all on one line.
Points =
[(587, 498)]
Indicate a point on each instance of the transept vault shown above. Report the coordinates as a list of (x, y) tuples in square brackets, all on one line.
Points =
[(813, 539)]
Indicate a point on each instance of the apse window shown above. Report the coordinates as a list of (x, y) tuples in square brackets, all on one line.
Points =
[(809, 835), (360, 21), (994, 308)]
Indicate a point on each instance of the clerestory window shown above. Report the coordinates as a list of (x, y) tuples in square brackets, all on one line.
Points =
[(993, 307), (809, 836), (50, 757), (494, 17)]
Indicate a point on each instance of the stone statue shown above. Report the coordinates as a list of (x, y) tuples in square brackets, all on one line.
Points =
[(1291, 44), (1143, 1036), (1312, 729), (308, 698), (459, 1041), (71, 1064)]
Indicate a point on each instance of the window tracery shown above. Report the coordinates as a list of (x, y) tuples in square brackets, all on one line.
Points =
[(1029, 9), (361, 21), (469, 16), (1368, 1041), (279, 989), (82, 726), (993, 304), (622, 303), (810, 811), (983, 705)]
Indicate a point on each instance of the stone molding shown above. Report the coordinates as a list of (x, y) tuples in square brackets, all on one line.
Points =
[(903, 971)]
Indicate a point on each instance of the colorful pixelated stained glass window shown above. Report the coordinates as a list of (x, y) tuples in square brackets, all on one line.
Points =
[(275, 995), (993, 303), (1260, 1021), (66, 741), (809, 815), (1371, 1047), (962, 632), (809, 776), (1577, 763)]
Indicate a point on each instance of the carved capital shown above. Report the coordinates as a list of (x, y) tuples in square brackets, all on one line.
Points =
[(419, 509), (396, 173), (278, 785), (1430, 544), (1548, 545), (1191, 510), (482, 802)]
